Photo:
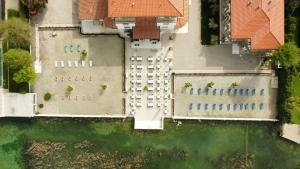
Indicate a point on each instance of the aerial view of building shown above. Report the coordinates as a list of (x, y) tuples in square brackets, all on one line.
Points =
[(152, 61)]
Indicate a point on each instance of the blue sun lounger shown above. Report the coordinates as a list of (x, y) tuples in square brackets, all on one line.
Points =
[(247, 92), (206, 91), (78, 48), (253, 91), (229, 91), (221, 107), (206, 106), (214, 92), (191, 106), (242, 92), (246, 106), (235, 91), (262, 92), (241, 106), (261, 106), (191, 91), (234, 106), (66, 48), (199, 106), (228, 107), (221, 92), (253, 106), (199, 91), (214, 107)]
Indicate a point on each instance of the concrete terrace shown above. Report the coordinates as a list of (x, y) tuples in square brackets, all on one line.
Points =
[(218, 102), (106, 55)]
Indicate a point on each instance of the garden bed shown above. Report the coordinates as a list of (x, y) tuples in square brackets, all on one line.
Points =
[(210, 22)]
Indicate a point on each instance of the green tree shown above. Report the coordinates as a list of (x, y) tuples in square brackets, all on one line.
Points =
[(16, 31), (25, 75), (34, 5), (17, 59), (287, 55), (210, 84)]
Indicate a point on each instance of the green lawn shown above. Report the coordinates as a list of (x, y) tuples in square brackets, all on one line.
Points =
[(296, 94), (204, 145)]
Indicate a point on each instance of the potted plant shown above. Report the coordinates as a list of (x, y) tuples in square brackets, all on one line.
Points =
[(210, 84), (145, 88), (103, 86), (234, 85), (47, 96), (187, 85), (69, 89), (83, 54)]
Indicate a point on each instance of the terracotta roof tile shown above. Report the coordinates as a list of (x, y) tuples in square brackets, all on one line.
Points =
[(261, 21), (145, 8), (145, 28), (92, 9)]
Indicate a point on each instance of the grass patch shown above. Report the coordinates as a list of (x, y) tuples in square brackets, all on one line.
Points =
[(113, 144), (295, 118)]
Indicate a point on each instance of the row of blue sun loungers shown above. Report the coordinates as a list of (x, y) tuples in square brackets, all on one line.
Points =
[(230, 92), (241, 106)]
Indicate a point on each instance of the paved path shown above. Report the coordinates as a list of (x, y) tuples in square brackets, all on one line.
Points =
[(291, 132)]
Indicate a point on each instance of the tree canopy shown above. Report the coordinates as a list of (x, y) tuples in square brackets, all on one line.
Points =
[(17, 59), (16, 31), (26, 74), (287, 55)]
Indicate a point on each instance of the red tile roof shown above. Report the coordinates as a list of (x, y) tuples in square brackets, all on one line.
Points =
[(262, 21), (92, 9), (145, 8), (145, 28)]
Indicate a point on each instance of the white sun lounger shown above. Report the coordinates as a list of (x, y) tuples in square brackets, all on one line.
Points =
[(158, 97), (132, 89), (158, 67), (158, 89), (91, 63), (158, 59), (158, 81), (139, 89), (132, 58), (69, 63), (165, 111), (139, 97), (139, 67), (150, 59), (166, 89), (150, 74), (139, 58), (132, 97), (76, 63), (150, 89), (83, 63), (131, 66), (138, 104), (138, 81), (132, 81), (131, 104), (56, 63), (132, 74), (139, 74), (150, 97), (166, 74), (150, 67), (157, 74), (150, 81), (166, 104), (165, 59), (62, 63)]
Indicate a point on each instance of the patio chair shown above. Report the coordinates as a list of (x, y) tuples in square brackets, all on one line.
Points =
[(262, 92), (214, 92), (199, 106), (206, 107), (229, 91), (241, 106), (241, 92), (158, 67), (234, 106), (150, 59), (199, 91), (235, 91), (246, 92), (253, 91), (91, 63), (166, 82), (221, 92), (165, 111), (246, 106), (132, 58), (206, 91), (158, 59), (214, 107), (191, 106), (191, 91), (221, 107), (228, 107), (253, 106), (78, 48), (83, 63), (69, 63), (261, 106)]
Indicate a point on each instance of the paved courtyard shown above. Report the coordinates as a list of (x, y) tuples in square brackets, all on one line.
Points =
[(58, 12), (253, 98), (103, 66), (190, 55)]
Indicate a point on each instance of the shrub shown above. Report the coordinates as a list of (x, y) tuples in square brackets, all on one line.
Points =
[(287, 55), (47, 96), (187, 85), (12, 13), (210, 84), (17, 59), (103, 86), (69, 89), (83, 54), (41, 106), (214, 39)]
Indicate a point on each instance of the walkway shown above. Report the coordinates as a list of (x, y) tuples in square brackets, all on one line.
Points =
[(291, 132)]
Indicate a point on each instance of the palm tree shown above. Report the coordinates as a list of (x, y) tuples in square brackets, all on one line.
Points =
[(234, 84), (187, 85), (210, 84)]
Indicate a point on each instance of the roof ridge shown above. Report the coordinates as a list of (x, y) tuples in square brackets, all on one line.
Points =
[(181, 14)]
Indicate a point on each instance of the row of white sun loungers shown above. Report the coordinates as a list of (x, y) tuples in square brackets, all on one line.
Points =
[(61, 64), (150, 59)]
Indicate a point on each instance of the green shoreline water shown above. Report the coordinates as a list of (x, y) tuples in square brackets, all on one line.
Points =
[(205, 143)]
